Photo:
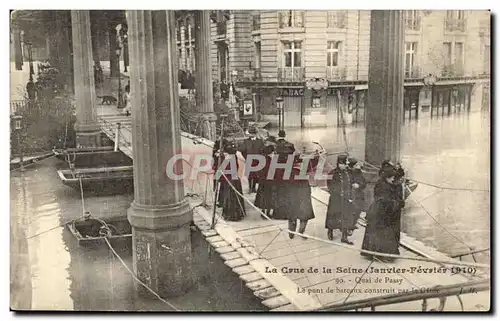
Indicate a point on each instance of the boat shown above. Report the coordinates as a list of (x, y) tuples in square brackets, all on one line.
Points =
[(103, 179), (28, 160), (121, 234), (93, 157)]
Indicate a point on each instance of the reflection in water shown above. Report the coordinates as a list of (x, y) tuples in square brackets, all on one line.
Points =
[(450, 152), (67, 276)]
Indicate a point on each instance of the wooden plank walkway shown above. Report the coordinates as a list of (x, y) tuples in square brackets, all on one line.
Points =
[(260, 251)]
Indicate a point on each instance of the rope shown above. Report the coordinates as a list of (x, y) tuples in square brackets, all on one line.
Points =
[(137, 279), (478, 265)]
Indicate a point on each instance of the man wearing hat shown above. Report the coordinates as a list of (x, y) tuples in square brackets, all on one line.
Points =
[(339, 213), (252, 146), (282, 145)]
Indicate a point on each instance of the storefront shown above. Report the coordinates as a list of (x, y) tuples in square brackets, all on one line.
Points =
[(292, 100), (451, 99)]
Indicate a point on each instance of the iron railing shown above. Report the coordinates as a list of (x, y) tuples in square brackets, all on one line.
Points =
[(336, 73), (452, 71), (414, 72), (291, 19), (251, 74), (412, 20), (337, 19), (455, 25), (291, 74), (221, 28)]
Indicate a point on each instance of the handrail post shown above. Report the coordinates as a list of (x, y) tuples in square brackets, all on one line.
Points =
[(117, 136)]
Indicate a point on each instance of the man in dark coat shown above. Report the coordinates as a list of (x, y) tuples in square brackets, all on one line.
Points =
[(381, 234), (282, 145), (299, 204), (252, 146), (339, 214), (358, 190)]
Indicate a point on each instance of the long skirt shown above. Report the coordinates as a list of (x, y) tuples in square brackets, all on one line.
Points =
[(340, 217), (380, 239), (265, 198), (233, 204)]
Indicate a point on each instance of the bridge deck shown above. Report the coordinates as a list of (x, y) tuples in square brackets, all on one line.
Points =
[(254, 246)]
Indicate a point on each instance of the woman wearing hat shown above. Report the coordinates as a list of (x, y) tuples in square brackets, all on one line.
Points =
[(380, 233), (233, 204), (358, 190), (216, 154), (339, 214), (265, 199)]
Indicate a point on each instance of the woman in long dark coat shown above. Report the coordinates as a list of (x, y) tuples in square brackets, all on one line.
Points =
[(381, 234), (358, 190), (339, 213), (233, 204), (281, 182), (299, 204), (265, 199), (215, 164)]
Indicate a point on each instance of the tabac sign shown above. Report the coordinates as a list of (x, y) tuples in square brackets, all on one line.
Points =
[(291, 92)]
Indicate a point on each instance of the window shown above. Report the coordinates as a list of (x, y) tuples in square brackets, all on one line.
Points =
[(256, 22), (447, 53), (291, 19), (257, 54), (455, 20), (179, 59), (333, 53), (459, 54), (453, 58), (292, 53), (412, 19), (410, 55), (337, 19)]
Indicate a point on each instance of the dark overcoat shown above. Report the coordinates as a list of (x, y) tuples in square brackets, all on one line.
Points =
[(252, 147), (381, 233), (340, 207), (266, 196)]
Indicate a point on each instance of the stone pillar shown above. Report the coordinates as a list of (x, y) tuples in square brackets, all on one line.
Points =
[(114, 62), (384, 112), (203, 79), (95, 17), (18, 50), (88, 132), (160, 214), (64, 43)]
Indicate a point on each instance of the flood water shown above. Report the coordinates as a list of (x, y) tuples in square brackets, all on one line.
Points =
[(66, 276), (449, 152)]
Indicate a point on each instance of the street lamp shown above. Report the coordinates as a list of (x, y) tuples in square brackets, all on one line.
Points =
[(119, 45), (18, 126), (281, 116)]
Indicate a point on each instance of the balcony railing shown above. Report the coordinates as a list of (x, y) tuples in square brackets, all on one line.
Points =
[(336, 73), (255, 22), (414, 72), (291, 19), (252, 74), (455, 25), (452, 71), (337, 19), (412, 24), (291, 74), (221, 29)]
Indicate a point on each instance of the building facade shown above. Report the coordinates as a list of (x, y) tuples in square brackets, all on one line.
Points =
[(317, 61)]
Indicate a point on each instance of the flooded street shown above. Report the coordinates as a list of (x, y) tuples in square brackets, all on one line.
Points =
[(65, 276), (450, 152)]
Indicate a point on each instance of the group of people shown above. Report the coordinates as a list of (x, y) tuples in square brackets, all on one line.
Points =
[(283, 197)]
